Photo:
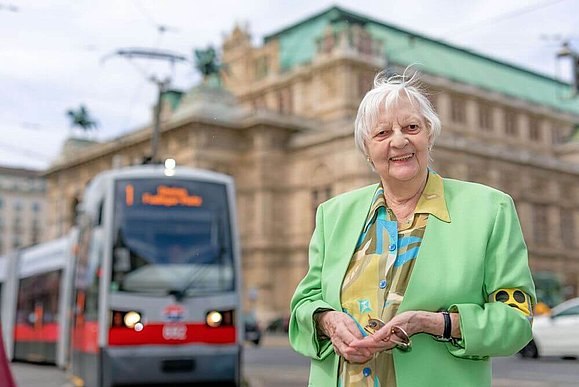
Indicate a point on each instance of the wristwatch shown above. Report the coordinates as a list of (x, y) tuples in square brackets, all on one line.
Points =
[(446, 335)]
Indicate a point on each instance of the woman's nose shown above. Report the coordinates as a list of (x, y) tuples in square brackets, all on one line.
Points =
[(398, 140)]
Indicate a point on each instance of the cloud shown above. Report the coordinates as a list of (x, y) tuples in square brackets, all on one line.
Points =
[(53, 60)]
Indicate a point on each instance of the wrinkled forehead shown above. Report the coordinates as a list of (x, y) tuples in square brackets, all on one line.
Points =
[(395, 109), (391, 104)]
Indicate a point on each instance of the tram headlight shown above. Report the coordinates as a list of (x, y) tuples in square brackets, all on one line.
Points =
[(219, 318), (214, 319), (131, 319)]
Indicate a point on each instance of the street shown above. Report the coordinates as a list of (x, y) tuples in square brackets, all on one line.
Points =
[(274, 364)]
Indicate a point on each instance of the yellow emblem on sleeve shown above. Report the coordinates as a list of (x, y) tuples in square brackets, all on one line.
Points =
[(515, 298)]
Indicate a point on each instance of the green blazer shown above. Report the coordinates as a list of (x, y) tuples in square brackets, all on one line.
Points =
[(459, 265)]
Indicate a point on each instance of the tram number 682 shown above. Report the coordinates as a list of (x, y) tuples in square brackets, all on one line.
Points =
[(174, 331)]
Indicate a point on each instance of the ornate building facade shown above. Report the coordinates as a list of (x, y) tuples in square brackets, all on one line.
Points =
[(282, 126), (22, 208)]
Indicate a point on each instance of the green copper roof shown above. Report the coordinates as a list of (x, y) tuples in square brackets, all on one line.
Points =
[(173, 97), (298, 46)]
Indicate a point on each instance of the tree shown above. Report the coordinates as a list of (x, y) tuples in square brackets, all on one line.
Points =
[(82, 119)]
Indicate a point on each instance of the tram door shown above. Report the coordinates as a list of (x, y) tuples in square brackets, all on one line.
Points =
[(85, 359)]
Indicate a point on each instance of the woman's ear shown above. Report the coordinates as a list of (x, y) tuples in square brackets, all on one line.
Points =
[(369, 160)]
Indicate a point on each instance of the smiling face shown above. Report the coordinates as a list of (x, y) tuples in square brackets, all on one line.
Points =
[(398, 144)]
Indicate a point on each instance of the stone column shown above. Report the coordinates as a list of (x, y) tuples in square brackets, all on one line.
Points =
[(471, 112), (443, 107)]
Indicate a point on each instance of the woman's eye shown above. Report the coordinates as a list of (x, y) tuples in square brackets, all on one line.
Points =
[(413, 127), (382, 133)]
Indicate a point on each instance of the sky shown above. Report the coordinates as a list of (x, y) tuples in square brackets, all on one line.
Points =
[(58, 54)]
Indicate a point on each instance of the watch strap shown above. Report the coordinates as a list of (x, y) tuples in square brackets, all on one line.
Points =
[(446, 335)]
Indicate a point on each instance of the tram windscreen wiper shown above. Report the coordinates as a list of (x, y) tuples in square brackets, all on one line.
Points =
[(217, 262), (203, 270)]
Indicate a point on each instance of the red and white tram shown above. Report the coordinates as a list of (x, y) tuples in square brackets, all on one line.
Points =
[(35, 302), (150, 284)]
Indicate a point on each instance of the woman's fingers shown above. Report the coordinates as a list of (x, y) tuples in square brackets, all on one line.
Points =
[(379, 339), (383, 334), (370, 343), (356, 336), (343, 340), (352, 355), (344, 332), (396, 332)]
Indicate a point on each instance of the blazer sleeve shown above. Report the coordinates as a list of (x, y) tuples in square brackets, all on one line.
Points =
[(495, 328), (308, 299)]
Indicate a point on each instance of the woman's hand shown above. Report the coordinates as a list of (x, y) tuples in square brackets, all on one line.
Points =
[(412, 322), (383, 339), (342, 331)]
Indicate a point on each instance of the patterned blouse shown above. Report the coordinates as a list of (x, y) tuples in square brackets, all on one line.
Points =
[(379, 273)]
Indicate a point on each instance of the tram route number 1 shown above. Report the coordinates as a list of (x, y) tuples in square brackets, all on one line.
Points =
[(174, 331)]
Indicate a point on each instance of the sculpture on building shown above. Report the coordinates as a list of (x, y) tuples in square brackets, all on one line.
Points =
[(82, 119), (209, 65)]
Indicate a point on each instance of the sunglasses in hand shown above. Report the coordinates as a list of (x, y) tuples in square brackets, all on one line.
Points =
[(397, 335)]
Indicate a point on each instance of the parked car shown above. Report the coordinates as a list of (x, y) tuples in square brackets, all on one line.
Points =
[(252, 329), (556, 334), (279, 325)]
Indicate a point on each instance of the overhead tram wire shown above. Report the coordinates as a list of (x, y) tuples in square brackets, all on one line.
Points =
[(24, 151), (468, 28), (161, 29), (144, 12), (507, 15), (162, 84)]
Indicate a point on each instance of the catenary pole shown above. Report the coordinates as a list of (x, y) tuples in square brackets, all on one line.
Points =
[(162, 86)]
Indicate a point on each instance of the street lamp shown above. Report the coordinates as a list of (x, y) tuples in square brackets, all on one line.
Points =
[(567, 52), (564, 51)]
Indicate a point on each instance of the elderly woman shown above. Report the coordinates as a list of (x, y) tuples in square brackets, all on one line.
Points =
[(416, 280)]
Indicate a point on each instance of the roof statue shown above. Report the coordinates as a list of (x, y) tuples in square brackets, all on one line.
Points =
[(82, 119), (209, 65)]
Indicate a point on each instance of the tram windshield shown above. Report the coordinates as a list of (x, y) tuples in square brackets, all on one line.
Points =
[(171, 237)]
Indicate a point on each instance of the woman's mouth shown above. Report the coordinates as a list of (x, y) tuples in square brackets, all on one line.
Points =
[(405, 157)]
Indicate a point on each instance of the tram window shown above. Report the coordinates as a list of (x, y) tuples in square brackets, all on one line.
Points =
[(38, 299), (171, 236)]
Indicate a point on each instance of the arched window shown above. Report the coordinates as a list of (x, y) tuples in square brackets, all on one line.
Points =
[(73, 211), (321, 187)]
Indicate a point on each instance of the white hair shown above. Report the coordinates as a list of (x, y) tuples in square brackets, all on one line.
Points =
[(385, 95)]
